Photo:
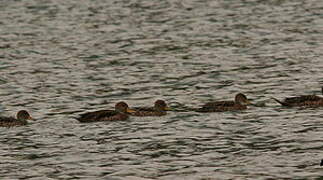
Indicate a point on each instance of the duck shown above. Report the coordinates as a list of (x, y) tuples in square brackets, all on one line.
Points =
[(119, 114), (301, 101), (240, 103), (21, 120), (159, 109)]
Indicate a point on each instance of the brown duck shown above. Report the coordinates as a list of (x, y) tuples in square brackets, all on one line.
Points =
[(22, 117), (159, 109), (120, 113), (302, 101), (240, 103)]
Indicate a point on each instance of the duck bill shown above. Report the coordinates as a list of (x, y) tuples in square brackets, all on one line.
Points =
[(130, 110), (248, 102), (31, 118), (168, 109)]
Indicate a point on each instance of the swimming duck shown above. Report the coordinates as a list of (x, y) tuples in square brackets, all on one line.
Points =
[(240, 103), (159, 109), (22, 117), (302, 101), (121, 108)]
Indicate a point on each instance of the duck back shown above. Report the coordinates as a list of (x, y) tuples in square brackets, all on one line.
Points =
[(103, 115), (10, 122), (221, 106)]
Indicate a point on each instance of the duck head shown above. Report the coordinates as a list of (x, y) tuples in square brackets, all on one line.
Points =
[(123, 107), (24, 115), (161, 105), (242, 99)]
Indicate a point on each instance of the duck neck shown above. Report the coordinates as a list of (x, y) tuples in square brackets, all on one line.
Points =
[(159, 109), (22, 121)]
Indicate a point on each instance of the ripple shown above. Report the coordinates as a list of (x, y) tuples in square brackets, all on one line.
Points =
[(61, 59)]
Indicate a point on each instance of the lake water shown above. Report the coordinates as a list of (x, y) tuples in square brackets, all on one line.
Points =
[(61, 58)]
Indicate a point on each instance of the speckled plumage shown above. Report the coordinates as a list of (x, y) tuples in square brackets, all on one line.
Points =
[(240, 103), (302, 101), (159, 109), (106, 115), (21, 120)]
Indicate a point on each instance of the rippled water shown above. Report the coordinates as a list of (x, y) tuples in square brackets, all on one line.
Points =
[(60, 58)]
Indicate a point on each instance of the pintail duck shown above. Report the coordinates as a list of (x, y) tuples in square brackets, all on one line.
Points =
[(120, 113), (159, 109), (302, 101), (240, 103), (22, 117)]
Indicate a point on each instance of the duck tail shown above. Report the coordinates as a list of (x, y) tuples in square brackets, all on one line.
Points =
[(280, 102), (79, 119)]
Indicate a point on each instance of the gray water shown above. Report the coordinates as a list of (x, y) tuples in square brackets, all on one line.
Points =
[(61, 58)]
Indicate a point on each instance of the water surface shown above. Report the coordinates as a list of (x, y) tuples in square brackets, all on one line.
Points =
[(61, 58)]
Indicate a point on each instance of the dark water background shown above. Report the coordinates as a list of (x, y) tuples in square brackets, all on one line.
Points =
[(59, 58)]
